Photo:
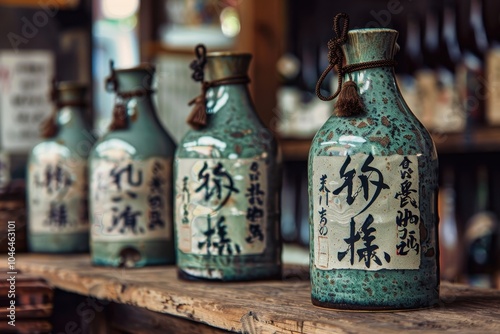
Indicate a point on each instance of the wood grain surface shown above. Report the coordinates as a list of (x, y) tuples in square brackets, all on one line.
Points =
[(260, 307)]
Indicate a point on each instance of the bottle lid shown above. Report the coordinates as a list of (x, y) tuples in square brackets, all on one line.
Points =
[(227, 64), (70, 92), (134, 79)]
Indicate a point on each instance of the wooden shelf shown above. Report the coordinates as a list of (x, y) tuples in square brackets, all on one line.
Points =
[(60, 4), (256, 307), (482, 140), (295, 149)]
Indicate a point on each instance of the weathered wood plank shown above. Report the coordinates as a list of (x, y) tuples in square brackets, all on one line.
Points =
[(260, 307), (25, 326), (142, 321), (28, 311)]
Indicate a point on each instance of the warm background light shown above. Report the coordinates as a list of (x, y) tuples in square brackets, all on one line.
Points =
[(119, 9)]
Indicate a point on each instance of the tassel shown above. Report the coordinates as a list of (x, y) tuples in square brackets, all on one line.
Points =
[(349, 102), (198, 116), (48, 128), (119, 120)]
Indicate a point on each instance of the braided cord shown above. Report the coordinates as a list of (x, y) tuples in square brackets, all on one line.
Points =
[(336, 58)]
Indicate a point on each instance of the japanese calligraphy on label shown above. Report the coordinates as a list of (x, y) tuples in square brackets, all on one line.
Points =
[(366, 212), (58, 195), (131, 199), (221, 206)]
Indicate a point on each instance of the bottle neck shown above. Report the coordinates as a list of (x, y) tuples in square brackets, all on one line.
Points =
[(431, 40), (476, 22), (141, 113), (70, 119), (220, 101), (369, 80), (450, 40), (413, 53), (366, 46)]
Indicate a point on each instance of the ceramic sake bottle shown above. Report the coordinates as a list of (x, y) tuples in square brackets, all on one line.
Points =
[(57, 176), (373, 191), (228, 180), (130, 179)]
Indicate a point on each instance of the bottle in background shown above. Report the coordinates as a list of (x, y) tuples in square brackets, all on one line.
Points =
[(426, 79), (471, 84), (412, 63), (450, 245), (449, 115), (441, 111), (228, 180), (131, 179), (481, 237), (57, 176)]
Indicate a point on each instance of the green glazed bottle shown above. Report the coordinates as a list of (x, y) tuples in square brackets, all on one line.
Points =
[(373, 183), (228, 181), (130, 179), (57, 176)]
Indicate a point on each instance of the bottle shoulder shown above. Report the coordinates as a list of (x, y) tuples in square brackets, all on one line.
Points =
[(134, 145), (61, 148), (383, 133), (225, 142)]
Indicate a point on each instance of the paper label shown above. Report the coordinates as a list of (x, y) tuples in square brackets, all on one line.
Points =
[(366, 212), (25, 83), (221, 206), (130, 199), (58, 195)]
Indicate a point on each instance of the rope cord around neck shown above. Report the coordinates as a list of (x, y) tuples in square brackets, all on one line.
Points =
[(198, 116), (120, 120), (348, 103)]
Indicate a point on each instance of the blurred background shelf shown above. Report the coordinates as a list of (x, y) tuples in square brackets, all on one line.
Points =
[(480, 140)]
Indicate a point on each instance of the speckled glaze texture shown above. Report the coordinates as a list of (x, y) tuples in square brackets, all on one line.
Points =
[(233, 132), (144, 139), (387, 128), (69, 149)]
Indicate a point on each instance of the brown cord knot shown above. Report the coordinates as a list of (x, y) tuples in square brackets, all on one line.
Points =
[(349, 102), (198, 116), (198, 65)]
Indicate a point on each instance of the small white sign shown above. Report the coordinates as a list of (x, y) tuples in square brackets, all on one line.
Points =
[(25, 82)]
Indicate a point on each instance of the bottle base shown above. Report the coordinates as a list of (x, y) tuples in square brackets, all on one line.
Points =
[(132, 254), (368, 308), (218, 275), (59, 243)]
